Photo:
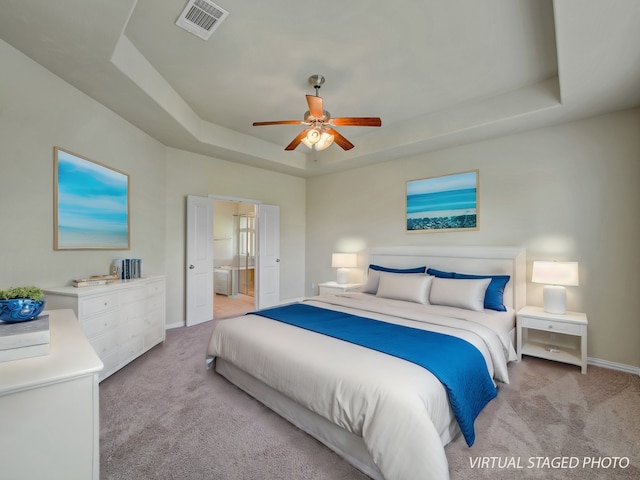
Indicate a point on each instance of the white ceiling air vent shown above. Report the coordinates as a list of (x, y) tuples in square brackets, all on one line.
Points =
[(201, 18)]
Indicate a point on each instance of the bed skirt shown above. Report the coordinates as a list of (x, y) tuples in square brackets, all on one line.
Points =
[(349, 446)]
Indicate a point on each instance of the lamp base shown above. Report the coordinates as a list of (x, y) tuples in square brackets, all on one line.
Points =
[(555, 299), (343, 275)]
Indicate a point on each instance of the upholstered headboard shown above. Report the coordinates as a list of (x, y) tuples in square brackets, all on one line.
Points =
[(475, 260)]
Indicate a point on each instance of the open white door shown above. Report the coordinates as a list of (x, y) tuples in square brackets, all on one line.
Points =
[(268, 262), (199, 258)]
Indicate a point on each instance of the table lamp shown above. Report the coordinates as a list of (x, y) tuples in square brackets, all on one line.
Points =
[(343, 262), (555, 276)]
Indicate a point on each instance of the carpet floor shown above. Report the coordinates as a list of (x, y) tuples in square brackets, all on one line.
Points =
[(165, 416)]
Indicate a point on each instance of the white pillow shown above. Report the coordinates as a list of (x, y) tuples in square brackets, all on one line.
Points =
[(373, 279), (402, 286), (461, 293)]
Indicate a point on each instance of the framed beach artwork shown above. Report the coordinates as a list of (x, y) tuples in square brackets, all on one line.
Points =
[(91, 204), (443, 204)]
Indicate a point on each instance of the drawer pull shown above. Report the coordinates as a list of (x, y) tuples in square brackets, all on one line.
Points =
[(550, 326)]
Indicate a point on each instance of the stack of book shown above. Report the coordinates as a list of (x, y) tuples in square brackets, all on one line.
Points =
[(128, 268), (24, 339)]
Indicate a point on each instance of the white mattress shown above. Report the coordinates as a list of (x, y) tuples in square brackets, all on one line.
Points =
[(399, 409)]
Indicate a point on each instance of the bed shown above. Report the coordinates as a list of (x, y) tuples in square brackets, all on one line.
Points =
[(387, 415)]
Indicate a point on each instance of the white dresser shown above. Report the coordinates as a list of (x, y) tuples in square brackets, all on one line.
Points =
[(49, 410), (122, 320)]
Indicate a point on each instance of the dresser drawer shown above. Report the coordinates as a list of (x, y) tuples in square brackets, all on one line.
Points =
[(133, 295), (106, 343), (155, 288), (131, 329), (550, 325), (153, 336), (154, 318), (134, 312), (93, 326), (132, 349), (99, 304), (155, 303)]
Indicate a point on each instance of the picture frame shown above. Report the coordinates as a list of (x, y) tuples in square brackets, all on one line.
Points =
[(91, 204), (445, 203)]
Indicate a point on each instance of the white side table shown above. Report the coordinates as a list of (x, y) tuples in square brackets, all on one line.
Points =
[(562, 338), (327, 288)]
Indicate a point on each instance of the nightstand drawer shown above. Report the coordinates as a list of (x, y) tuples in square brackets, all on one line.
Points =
[(550, 325)]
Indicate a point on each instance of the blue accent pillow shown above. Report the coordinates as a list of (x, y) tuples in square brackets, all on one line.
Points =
[(494, 296), (398, 270), (440, 273)]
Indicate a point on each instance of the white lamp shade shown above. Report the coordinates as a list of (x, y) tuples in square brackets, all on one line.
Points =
[(344, 260), (555, 273)]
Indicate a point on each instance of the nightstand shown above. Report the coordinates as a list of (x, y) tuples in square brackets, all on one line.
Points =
[(328, 288), (562, 338)]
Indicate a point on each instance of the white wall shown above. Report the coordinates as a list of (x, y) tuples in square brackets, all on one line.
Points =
[(570, 192), (39, 111)]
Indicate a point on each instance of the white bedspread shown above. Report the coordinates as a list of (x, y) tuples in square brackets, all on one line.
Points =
[(399, 409)]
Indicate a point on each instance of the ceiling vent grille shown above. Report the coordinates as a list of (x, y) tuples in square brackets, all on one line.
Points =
[(201, 18)]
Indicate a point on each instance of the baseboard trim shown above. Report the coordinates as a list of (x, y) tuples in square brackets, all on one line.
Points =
[(613, 365)]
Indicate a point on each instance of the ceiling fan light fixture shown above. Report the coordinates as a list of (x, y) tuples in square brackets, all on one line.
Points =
[(313, 137), (325, 141), (317, 139), (320, 133)]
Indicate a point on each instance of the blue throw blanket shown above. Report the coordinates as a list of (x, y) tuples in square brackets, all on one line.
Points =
[(458, 365)]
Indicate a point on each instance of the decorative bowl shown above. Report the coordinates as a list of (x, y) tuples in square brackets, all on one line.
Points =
[(20, 309)]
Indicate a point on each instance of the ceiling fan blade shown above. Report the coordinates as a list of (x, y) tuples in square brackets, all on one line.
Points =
[(357, 122), (339, 139), (315, 106), (278, 122), (296, 141)]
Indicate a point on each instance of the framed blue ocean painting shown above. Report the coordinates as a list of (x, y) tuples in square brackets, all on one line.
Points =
[(91, 204), (443, 204)]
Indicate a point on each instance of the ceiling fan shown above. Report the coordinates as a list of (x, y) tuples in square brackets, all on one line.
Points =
[(320, 132)]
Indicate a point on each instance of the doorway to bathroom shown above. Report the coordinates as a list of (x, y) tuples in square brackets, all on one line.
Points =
[(200, 260), (234, 243)]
